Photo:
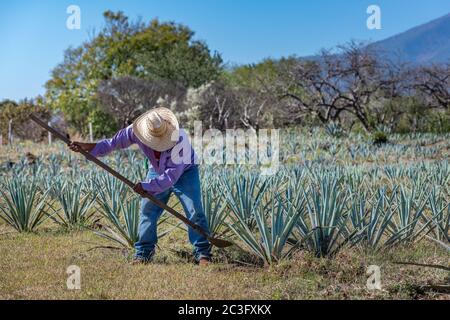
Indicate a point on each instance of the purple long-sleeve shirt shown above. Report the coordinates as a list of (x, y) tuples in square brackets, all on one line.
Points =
[(169, 169)]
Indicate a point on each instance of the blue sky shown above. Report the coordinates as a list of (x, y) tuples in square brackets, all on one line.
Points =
[(34, 36)]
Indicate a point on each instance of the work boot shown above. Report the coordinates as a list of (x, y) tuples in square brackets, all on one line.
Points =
[(203, 262), (139, 260)]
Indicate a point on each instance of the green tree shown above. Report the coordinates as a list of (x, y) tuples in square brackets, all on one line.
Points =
[(19, 114), (163, 50), (186, 64), (255, 76)]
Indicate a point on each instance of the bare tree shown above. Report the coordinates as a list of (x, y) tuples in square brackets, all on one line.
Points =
[(214, 104), (433, 85), (222, 106), (125, 98), (221, 102), (252, 108), (395, 96), (306, 90), (335, 84)]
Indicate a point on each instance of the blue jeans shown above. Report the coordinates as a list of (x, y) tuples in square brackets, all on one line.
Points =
[(187, 189)]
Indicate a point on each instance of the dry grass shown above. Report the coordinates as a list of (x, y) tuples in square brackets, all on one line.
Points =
[(33, 266)]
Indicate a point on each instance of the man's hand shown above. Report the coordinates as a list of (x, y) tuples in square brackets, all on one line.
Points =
[(75, 146), (78, 146), (138, 188)]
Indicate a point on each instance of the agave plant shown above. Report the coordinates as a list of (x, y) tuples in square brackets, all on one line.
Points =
[(274, 224), (324, 229), (90, 180), (372, 217), (75, 205), (214, 206), (244, 194), (122, 215), (136, 167), (111, 185), (25, 206), (394, 172), (334, 129), (441, 174), (440, 216), (405, 224), (121, 212), (54, 165)]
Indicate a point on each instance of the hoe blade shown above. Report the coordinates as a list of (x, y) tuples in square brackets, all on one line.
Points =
[(219, 242)]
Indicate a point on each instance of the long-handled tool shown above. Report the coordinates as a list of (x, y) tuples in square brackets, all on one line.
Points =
[(215, 241)]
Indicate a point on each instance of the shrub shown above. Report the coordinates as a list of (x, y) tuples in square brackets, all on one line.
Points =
[(379, 138)]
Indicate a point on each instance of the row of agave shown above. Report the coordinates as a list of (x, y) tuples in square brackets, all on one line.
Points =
[(316, 207), (28, 201), (318, 146), (323, 214)]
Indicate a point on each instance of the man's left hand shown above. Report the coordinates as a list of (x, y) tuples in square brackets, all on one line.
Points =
[(138, 188)]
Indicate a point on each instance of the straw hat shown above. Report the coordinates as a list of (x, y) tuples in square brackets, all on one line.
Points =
[(155, 128)]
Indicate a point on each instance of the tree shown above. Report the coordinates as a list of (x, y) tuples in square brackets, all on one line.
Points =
[(337, 84), (126, 49), (253, 109), (256, 76), (19, 114), (184, 64), (256, 90), (433, 85), (222, 106), (7, 108), (127, 97), (215, 104)]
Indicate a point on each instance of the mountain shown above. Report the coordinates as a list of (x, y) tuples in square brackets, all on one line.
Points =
[(427, 43)]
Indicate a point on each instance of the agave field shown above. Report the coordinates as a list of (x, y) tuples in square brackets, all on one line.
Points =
[(329, 193)]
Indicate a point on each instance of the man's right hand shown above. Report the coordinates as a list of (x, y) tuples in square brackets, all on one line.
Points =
[(78, 146)]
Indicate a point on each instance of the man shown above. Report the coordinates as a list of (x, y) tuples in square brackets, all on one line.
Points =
[(156, 133)]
